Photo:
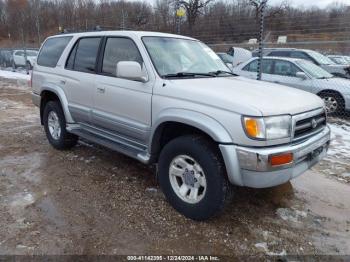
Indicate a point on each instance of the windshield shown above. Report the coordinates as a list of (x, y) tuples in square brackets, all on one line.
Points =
[(321, 59), (174, 55), (313, 70)]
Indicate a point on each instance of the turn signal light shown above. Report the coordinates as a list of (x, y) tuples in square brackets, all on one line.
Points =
[(252, 127), (279, 160)]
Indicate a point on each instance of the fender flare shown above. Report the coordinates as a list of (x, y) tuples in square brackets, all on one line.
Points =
[(61, 96), (201, 121)]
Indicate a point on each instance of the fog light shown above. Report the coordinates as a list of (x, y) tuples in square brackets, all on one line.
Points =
[(279, 160)]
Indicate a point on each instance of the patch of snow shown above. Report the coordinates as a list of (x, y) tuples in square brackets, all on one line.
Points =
[(264, 248), (340, 140), (14, 75), (291, 215)]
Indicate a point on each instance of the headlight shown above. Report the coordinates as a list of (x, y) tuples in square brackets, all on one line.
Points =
[(268, 128)]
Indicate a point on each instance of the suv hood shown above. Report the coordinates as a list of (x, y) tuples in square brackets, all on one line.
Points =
[(243, 96)]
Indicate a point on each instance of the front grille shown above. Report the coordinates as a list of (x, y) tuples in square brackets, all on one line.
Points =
[(310, 125)]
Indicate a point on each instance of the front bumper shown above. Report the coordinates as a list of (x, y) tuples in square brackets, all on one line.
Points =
[(250, 166)]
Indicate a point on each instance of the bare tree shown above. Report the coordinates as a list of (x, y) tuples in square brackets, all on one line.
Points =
[(193, 10)]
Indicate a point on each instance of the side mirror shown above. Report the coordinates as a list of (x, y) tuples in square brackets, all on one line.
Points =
[(130, 70), (301, 75)]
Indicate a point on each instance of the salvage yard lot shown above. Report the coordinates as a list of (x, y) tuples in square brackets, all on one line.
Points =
[(90, 200)]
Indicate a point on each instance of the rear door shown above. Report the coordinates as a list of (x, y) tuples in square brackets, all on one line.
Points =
[(80, 76)]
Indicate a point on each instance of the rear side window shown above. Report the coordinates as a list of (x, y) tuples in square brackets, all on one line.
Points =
[(266, 66), (84, 54), (52, 51)]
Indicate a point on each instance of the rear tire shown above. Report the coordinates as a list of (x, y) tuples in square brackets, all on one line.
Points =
[(191, 166), (55, 127)]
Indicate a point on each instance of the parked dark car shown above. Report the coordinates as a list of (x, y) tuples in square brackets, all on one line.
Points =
[(6, 57)]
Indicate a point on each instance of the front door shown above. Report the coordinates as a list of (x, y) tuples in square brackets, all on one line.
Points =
[(122, 106)]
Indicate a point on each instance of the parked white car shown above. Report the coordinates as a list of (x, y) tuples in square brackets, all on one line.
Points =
[(239, 55), (303, 75), (24, 58)]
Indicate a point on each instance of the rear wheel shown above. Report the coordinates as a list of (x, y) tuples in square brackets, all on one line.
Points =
[(335, 104), (55, 127), (193, 177)]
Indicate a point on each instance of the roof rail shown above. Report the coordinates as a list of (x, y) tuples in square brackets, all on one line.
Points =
[(94, 29)]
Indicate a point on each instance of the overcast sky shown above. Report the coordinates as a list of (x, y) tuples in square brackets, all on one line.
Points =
[(309, 3)]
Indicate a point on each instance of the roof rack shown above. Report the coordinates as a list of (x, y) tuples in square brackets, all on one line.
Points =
[(97, 28)]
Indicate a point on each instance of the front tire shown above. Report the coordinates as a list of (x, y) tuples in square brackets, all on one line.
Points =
[(334, 102), (55, 127), (193, 178)]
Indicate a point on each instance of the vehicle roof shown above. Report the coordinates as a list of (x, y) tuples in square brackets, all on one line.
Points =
[(285, 49), (123, 33), (290, 59)]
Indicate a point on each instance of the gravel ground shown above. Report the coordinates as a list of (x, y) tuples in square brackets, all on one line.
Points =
[(93, 201)]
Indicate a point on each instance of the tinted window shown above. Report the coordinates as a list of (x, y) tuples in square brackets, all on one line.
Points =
[(86, 54), (52, 51), (119, 49), (285, 68), (280, 53), (300, 55), (266, 66), (71, 58)]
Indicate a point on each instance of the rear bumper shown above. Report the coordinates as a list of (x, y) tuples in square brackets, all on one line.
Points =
[(250, 166)]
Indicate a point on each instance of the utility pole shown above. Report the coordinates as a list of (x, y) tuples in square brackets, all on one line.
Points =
[(261, 37), (123, 22)]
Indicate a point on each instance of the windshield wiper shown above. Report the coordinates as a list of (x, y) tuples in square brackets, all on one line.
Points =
[(219, 72), (187, 74)]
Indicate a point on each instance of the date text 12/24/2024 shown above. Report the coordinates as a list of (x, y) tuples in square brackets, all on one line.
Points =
[(173, 258)]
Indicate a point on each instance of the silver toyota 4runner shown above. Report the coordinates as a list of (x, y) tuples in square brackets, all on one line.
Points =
[(169, 100)]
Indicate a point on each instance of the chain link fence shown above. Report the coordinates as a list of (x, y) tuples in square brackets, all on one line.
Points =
[(312, 53)]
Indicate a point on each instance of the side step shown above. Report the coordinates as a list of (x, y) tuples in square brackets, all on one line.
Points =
[(113, 144)]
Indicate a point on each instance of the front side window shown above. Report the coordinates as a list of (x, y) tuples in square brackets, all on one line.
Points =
[(52, 51), (285, 68), (182, 56), (119, 49)]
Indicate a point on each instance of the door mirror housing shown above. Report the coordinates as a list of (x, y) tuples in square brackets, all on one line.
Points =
[(130, 70), (301, 75)]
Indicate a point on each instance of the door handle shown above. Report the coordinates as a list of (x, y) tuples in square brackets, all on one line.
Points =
[(277, 82), (101, 90)]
